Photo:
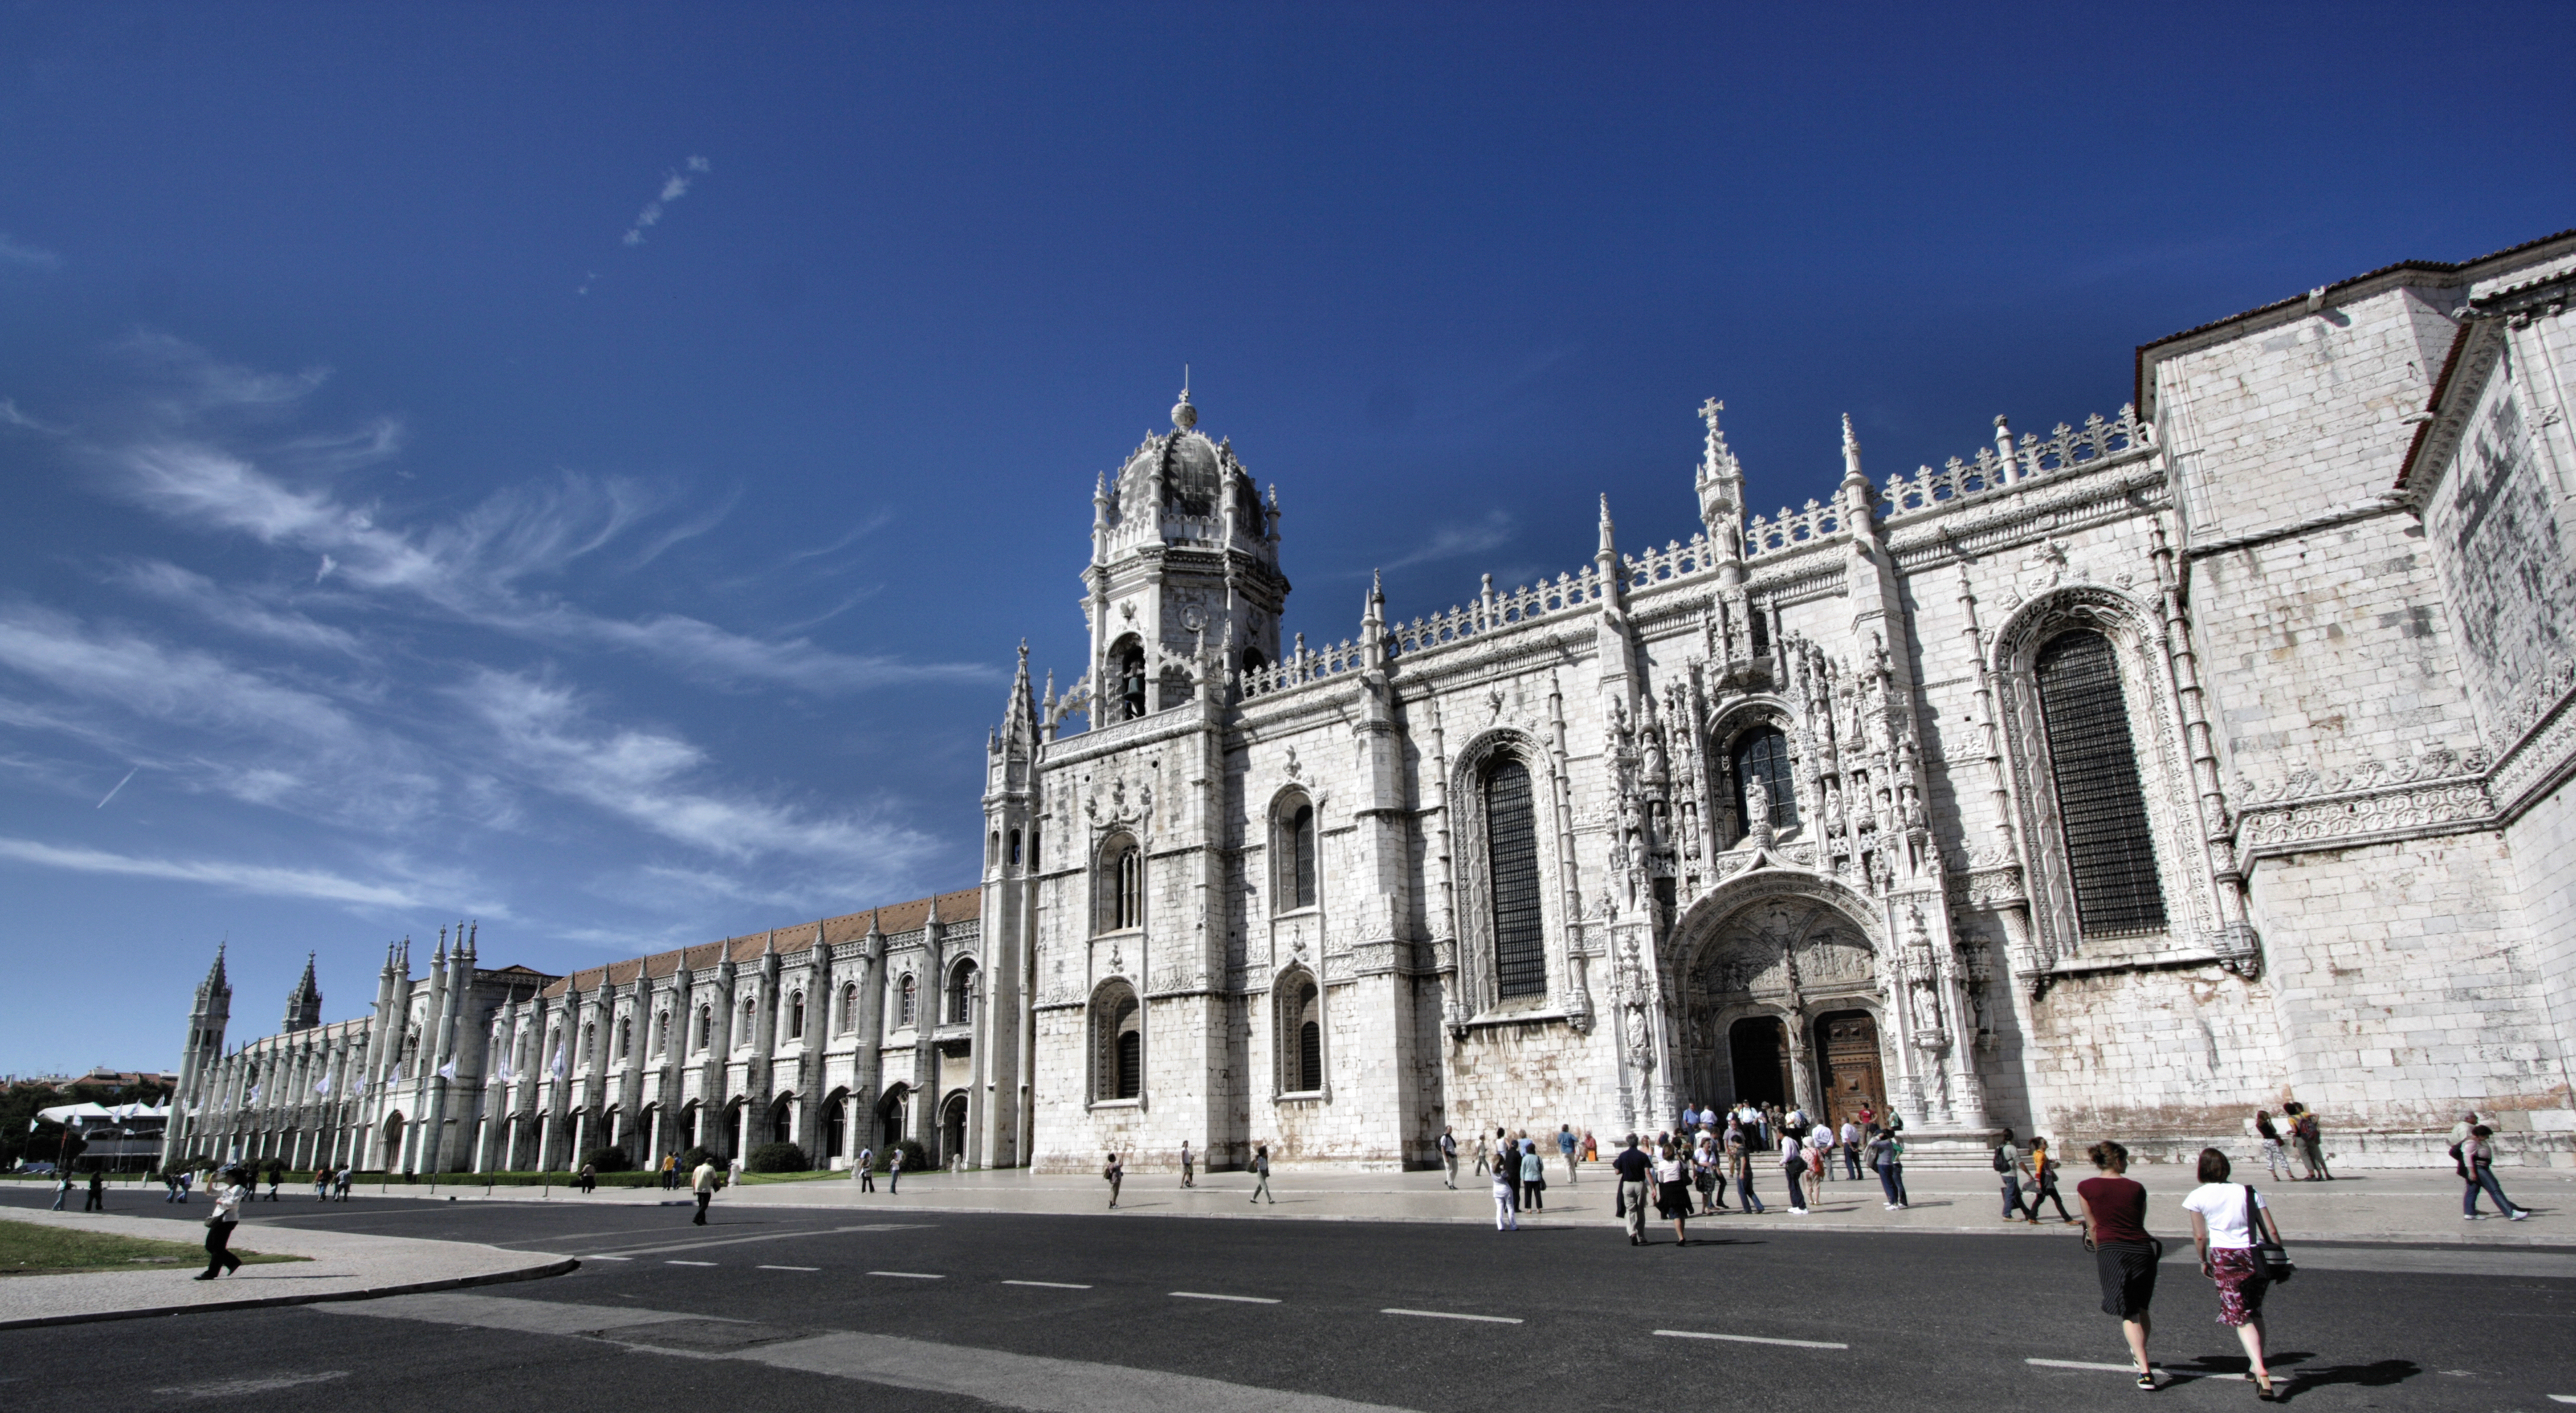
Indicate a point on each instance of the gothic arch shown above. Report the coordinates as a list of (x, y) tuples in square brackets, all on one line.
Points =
[(1772, 944), (2137, 638), (1471, 861), (1296, 870), (1727, 728)]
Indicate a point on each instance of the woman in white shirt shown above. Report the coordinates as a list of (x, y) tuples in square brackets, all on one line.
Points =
[(1672, 1191), (2221, 1217), (1793, 1167), (231, 1186)]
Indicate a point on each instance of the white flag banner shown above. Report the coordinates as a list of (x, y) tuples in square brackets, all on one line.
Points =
[(253, 1096), (323, 1085), (448, 1070), (559, 1062)]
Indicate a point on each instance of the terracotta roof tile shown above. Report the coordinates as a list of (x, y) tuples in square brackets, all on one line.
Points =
[(964, 905)]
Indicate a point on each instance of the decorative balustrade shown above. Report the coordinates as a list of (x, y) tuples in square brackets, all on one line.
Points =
[(1301, 666), (1673, 561), (1791, 528), (1490, 611), (2097, 440)]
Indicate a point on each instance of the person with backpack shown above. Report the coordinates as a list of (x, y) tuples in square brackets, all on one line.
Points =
[(865, 1170), (2475, 1157), (2305, 1132), (1533, 1178), (1261, 1174), (1565, 1146), (1449, 1157), (2008, 1166), (1793, 1170), (2043, 1181), (1888, 1157)]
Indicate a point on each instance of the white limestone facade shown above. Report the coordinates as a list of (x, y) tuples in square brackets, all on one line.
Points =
[(2113, 781)]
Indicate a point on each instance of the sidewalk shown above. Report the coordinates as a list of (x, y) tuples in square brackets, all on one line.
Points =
[(342, 1266), (2378, 1206)]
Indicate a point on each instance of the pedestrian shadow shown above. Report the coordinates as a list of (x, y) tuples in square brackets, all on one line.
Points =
[(2380, 1373)]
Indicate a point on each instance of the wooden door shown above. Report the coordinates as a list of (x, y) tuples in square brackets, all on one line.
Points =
[(1847, 1041)]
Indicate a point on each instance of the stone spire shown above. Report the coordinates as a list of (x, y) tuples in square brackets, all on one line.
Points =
[(1721, 488), (304, 1003), (215, 985)]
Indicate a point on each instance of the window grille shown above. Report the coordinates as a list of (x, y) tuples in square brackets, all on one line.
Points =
[(2102, 810), (1764, 751), (1131, 1064), (907, 999), (1297, 844), (1511, 849), (1310, 1056)]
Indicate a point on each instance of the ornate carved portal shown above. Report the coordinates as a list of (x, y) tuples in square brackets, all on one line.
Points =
[(1778, 962)]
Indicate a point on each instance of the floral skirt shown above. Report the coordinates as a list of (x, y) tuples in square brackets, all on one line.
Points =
[(2240, 1283)]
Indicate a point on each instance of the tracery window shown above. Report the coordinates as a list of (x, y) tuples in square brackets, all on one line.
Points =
[(2093, 761), (1301, 1035), (1127, 665), (661, 1032), (1013, 857), (1121, 885), (907, 1001), (796, 1016), (850, 1007), (961, 994), (1118, 1043), (1763, 752), (1511, 852), (625, 1036), (1294, 840), (750, 1021), (706, 1025)]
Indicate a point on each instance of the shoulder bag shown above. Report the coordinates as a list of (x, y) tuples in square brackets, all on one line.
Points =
[(2271, 1258)]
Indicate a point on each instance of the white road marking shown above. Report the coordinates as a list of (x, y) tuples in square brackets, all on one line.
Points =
[(1049, 1285), (2132, 1369), (2562, 1398), (234, 1388), (608, 1258), (791, 1268), (1016, 1381), (1239, 1299), (688, 1263), (1454, 1315), (1752, 1339), (909, 1275)]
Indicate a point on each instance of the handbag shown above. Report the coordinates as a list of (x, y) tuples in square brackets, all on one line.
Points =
[(2271, 1258)]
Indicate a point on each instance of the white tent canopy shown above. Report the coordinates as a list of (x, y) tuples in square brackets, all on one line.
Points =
[(76, 1115)]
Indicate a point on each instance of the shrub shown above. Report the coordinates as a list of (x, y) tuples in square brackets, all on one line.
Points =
[(690, 1159), (915, 1157), (609, 1160), (775, 1158)]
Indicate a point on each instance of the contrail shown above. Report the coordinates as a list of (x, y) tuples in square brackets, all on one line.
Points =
[(112, 789)]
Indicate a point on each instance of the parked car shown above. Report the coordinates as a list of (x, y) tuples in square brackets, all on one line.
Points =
[(37, 1170)]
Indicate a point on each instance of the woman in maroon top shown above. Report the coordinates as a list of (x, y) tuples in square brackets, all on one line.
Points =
[(2115, 1226)]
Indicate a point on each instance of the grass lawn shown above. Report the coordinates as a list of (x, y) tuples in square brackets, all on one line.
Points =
[(27, 1249)]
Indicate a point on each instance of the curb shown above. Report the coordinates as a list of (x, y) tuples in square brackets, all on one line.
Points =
[(565, 1266)]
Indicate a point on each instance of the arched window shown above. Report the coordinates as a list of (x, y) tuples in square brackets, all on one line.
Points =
[(993, 848), (1014, 856), (1763, 753), (1253, 661), (1301, 1035), (661, 1032), (1294, 838), (907, 1001), (589, 1040), (625, 1036), (1127, 665), (961, 994), (1121, 885), (706, 1025), (850, 1007), (2110, 851), (796, 1016), (1511, 852), (1118, 1048), (750, 1021), (1036, 859)]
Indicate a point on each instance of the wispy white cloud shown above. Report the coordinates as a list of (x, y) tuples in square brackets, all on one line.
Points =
[(1491, 532), (193, 382), (17, 252), (10, 416), (264, 880), (655, 781), (674, 186), (230, 608)]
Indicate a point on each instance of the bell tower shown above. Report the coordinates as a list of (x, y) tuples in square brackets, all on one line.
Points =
[(1184, 562), (304, 1003), (198, 1059)]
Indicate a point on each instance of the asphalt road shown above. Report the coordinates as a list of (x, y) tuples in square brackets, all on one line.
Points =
[(743, 1313)]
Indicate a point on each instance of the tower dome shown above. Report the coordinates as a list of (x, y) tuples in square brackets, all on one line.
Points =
[(1191, 472)]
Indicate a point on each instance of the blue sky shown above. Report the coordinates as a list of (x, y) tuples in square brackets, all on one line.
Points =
[(586, 469)]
